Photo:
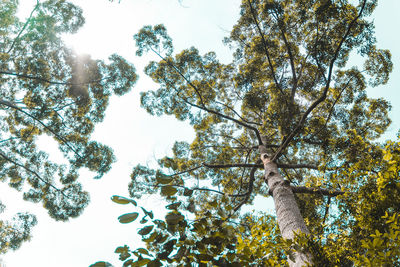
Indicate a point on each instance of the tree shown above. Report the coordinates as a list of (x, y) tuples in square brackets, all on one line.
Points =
[(290, 110), (48, 90)]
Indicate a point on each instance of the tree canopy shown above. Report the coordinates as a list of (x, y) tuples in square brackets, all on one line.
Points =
[(288, 117), (47, 90)]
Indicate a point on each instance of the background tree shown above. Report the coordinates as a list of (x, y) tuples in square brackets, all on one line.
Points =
[(48, 90), (290, 97)]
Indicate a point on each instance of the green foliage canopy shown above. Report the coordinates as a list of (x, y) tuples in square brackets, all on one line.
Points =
[(48, 90), (289, 89)]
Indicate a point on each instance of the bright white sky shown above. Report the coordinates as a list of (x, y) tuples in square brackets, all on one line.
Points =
[(137, 137)]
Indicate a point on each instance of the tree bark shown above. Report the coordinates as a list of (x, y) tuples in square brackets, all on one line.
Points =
[(287, 211)]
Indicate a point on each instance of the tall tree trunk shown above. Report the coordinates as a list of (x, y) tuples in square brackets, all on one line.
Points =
[(287, 211)]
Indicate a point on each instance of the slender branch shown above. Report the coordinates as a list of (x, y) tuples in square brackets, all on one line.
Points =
[(324, 93), (185, 171), (291, 57), (206, 189), (332, 107), (226, 117), (203, 107), (320, 191), (181, 74), (48, 81), (250, 191), (296, 166), (8, 104), (234, 165), (326, 210), (8, 139), (23, 28), (245, 165), (264, 45), (32, 172), (260, 166), (237, 114)]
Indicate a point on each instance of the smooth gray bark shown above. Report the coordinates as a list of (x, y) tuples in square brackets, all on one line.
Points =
[(287, 211)]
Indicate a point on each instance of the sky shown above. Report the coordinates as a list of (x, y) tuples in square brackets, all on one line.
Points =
[(137, 137)]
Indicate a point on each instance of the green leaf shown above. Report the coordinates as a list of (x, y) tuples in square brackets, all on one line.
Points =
[(101, 264), (173, 206), (129, 217), (387, 156), (123, 200), (143, 220), (162, 178), (204, 257), (174, 218), (142, 262), (152, 237), (128, 263), (146, 230), (168, 190), (122, 249), (148, 213), (142, 251), (154, 263)]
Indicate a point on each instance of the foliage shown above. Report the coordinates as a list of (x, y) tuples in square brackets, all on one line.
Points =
[(49, 91), (290, 90)]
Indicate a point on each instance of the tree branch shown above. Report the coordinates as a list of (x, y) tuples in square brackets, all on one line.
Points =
[(324, 92), (48, 81), (320, 191), (265, 46), (260, 166), (10, 105), (32, 172), (226, 117), (291, 58), (326, 210), (23, 28), (249, 192), (237, 114)]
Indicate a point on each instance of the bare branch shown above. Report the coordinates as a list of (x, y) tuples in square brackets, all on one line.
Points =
[(202, 106)]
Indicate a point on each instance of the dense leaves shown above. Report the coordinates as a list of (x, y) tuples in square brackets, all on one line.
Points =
[(49, 91), (290, 90)]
